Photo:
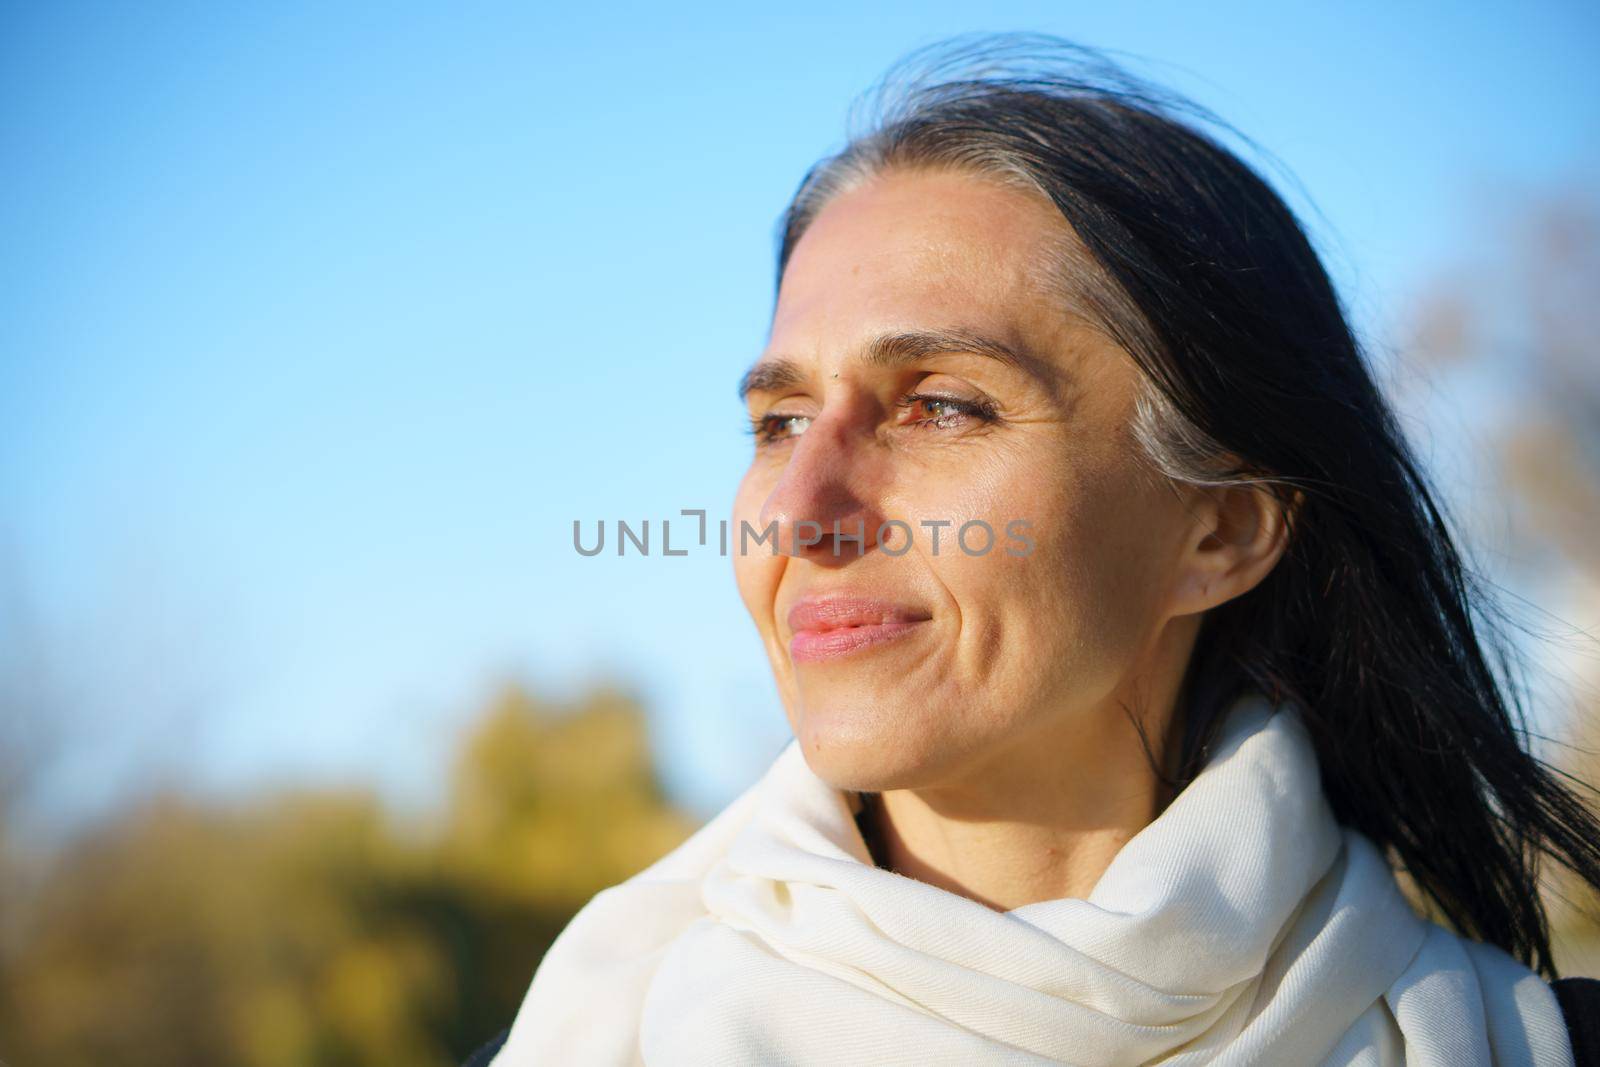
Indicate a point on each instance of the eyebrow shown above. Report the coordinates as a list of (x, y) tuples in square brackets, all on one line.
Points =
[(888, 350)]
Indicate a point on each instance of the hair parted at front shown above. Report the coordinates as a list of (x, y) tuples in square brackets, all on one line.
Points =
[(1398, 655)]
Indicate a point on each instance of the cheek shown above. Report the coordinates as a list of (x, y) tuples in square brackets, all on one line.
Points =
[(1076, 608), (1100, 562), (758, 572)]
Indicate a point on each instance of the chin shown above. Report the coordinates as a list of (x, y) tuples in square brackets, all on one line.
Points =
[(864, 743)]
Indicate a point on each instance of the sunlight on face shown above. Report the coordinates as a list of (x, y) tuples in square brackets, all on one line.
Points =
[(920, 370)]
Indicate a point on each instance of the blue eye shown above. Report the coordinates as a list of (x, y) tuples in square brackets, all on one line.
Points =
[(944, 412), (777, 427), (922, 410)]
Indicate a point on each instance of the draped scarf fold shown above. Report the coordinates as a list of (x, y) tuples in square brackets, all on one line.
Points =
[(1243, 925)]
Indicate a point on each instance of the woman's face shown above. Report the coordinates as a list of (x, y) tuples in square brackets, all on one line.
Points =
[(921, 370)]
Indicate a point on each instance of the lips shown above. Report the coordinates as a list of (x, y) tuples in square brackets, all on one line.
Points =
[(827, 627)]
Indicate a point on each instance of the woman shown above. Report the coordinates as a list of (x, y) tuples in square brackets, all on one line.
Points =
[(1129, 778)]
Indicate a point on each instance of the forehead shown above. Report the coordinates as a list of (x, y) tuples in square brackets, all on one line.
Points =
[(909, 246)]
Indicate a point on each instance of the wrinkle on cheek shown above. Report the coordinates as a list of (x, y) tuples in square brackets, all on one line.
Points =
[(985, 650), (757, 574), (775, 582), (765, 578)]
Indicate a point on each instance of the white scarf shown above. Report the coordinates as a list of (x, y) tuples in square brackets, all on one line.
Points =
[(1241, 926)]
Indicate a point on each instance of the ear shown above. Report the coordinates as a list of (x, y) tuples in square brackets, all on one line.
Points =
[(1238, 534)]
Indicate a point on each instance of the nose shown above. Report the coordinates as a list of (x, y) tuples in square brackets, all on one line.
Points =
[(823, 502)]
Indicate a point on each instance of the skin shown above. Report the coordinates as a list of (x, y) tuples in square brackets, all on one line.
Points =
[(996, 731)]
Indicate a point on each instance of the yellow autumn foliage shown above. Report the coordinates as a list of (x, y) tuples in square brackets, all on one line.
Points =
[(315, 927)]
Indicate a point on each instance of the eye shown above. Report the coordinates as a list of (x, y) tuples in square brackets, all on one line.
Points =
[(945, 412), (777, 426)]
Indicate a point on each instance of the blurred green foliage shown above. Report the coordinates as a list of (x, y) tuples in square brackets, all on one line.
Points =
[(317, 928)]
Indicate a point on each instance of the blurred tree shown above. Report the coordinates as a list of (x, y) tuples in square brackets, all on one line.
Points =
[(548, 806), (309, 928), (1515, 334)]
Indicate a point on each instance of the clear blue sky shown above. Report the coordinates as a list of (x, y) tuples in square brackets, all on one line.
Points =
[(321, 323)]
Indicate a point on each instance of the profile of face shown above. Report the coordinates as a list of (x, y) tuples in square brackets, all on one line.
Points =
[(922, 372)]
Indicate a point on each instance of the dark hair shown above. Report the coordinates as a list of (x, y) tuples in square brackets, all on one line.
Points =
[(1251, 375)]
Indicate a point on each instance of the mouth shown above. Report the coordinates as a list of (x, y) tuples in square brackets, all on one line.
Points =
[(829, 627)]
